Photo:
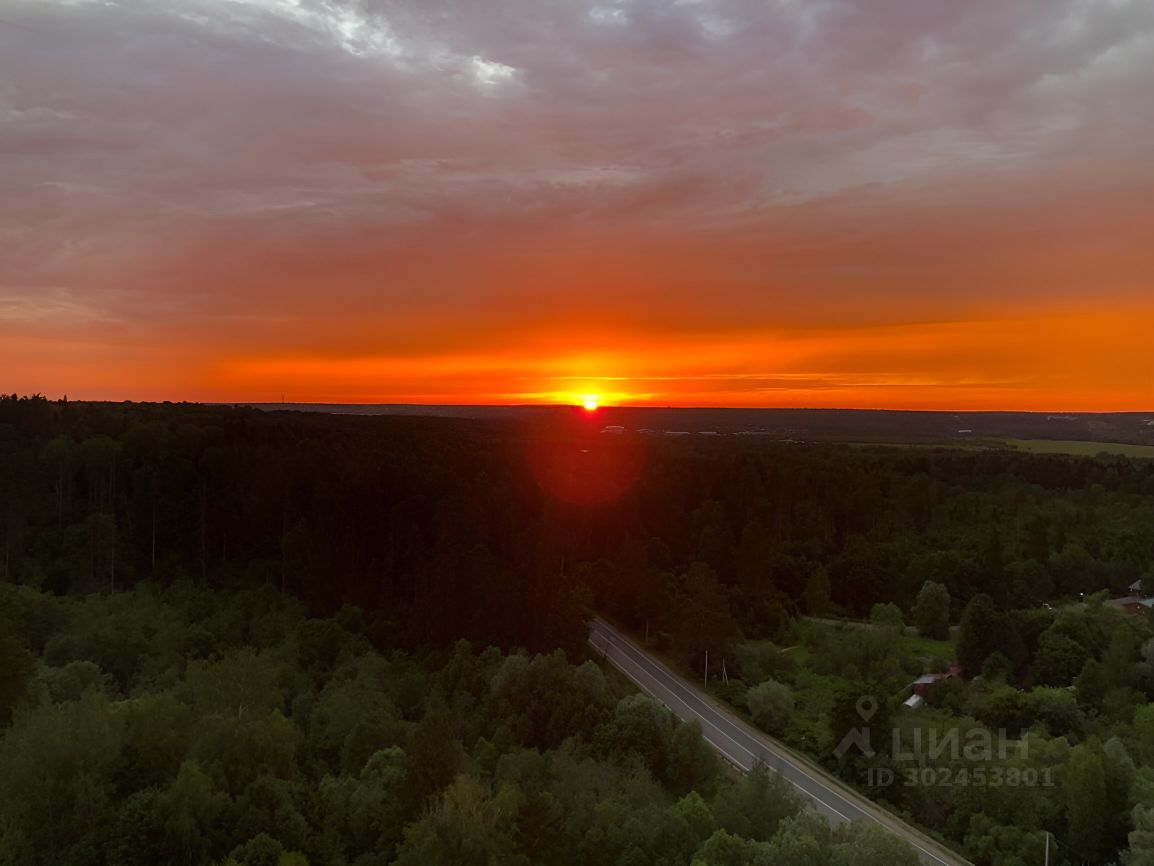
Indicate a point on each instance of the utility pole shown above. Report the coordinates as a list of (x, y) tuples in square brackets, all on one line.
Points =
[(1047, 848), (707, 668)]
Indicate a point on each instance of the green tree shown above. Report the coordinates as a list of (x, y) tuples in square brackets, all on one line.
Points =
[(17, 667), (706, 623), (434, 754), (693, 764), (1122, 652), (1120, 776), (802, 841), (978, 634), (1059, 658), (996, 668), (816, 598), (272, 805), (367, 812), (235, 751), (1030, 583), (771, 705), (993, 567), (641, 730), (725, 849), (136, 836), (1087, 809), (990, 842), (190, 808), (1141, 838), (471, 825), (889, 616), (1057, 709), (1075, 570), (755, 805), (60, 455), (239, 683), (68, 683), (264, 850), (57, 762), (158, 735), (1144, 732), (760, 660), (861, 843), (932, 611), (351, 719), (1090, 686)]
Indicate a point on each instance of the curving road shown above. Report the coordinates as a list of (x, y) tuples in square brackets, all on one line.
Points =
[(743, 746)]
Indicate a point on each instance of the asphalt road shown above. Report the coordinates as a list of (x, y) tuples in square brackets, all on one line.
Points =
[(742, 746)]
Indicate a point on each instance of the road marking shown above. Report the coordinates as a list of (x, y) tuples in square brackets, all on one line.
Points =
[(614, 639), (752, 756), (777, 755)]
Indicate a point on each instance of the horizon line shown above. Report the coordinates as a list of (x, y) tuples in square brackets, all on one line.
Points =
[(603, 407)]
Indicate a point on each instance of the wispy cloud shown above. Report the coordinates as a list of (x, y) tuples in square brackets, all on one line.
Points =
[(393, 178)]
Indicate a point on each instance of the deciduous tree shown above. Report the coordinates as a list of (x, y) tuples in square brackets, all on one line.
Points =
[(932, 611), (771, 705)]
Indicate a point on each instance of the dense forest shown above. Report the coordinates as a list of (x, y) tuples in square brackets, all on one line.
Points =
[(502, 532), (152, 554), (188, 725)]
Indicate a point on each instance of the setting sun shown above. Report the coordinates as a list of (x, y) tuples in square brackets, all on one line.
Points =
[(589, 401)]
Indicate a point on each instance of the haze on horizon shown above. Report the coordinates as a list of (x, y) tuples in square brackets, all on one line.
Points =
[(896, 203)]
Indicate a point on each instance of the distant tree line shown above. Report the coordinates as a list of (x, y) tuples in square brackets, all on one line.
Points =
[(441, 529)]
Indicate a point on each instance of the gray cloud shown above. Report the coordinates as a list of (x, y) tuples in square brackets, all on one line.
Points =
[(154, 152)]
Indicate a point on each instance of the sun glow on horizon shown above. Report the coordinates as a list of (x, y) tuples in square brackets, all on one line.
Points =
[(1072, 358), (590, 402)]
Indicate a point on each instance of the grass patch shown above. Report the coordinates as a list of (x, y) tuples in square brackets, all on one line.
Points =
[(1029, 446), (947, 444), (920, 646), (910, 644)]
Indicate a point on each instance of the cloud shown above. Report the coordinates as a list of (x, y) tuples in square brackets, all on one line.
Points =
[(352, 175), (51, 305)]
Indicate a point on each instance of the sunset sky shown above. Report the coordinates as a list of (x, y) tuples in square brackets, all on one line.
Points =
[(881, 203)]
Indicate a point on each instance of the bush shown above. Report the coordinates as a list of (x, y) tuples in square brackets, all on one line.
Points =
[(771, 705)]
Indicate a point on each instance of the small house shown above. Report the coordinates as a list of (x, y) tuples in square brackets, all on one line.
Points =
[(923, 683), (1132, 604)]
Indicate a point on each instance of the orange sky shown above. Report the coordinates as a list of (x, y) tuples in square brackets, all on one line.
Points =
[(894, 204)]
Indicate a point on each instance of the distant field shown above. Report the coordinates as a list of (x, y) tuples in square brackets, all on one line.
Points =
[(1089, 449), (802, 425), (956, 444), (1033, 446)]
